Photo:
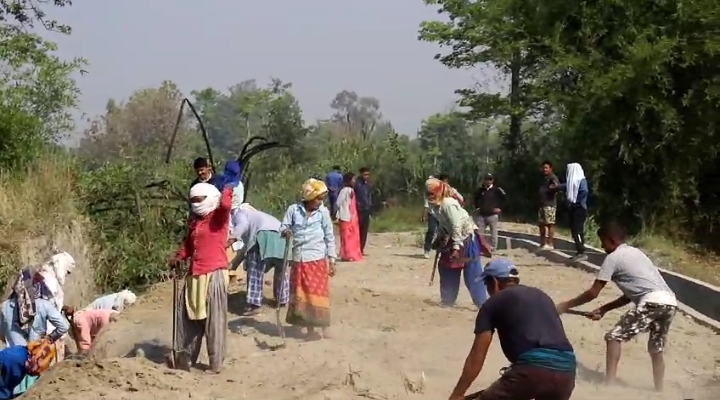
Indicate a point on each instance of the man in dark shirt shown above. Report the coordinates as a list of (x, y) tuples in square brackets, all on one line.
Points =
[(548, 206), (363, 193), (489, 201), (205, 174), (532, 338)]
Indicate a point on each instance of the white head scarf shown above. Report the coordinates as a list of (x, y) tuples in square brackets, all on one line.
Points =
[(575, 174), (127, 296), (212, 198), (246, 206)]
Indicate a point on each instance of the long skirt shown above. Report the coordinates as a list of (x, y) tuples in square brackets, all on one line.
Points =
[(309, 294), (470, 268), (209, 322), (350, 240), (256, 269)]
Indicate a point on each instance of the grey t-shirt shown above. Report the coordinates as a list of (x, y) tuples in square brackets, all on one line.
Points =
[(548, 197), (633, 272)]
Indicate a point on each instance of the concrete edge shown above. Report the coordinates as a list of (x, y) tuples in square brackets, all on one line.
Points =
[(562, 258)]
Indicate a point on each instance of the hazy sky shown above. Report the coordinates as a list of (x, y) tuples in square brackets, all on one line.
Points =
[(321, 46)]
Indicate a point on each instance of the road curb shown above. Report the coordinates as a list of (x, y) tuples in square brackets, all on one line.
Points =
[(561, 257)]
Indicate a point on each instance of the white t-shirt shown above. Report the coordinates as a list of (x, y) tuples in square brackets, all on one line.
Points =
[(636, 276)]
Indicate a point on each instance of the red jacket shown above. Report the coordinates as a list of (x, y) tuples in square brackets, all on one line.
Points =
[(206, 241)]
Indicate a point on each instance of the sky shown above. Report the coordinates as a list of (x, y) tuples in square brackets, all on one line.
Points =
[(322, 47)]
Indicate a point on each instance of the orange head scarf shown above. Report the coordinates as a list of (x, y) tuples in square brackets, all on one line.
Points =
[(437, 190)]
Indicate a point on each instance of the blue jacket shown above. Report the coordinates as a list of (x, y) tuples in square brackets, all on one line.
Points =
[(12, 369)]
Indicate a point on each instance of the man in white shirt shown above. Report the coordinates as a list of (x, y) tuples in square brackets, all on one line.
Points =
[(641, 283)]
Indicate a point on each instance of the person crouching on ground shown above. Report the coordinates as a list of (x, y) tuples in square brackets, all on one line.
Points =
[(641, 283), (18, 363), (309, 225), (25, 318), (114, 301), (203, 299), (460, 245), (532, 338), (87, 324), (260, 233), (348, 218)]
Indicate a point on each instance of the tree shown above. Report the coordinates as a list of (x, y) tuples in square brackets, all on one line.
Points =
[(359, 115), (35, 85), (141, 128)]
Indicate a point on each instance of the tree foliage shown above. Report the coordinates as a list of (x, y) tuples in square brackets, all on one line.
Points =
[(629, 89)]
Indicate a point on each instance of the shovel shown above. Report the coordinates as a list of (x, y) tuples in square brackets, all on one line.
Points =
[(177, 359), (283, 274), (434, 269), (585, 314)]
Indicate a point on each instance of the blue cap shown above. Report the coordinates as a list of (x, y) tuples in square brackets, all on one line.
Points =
[(500, 268)]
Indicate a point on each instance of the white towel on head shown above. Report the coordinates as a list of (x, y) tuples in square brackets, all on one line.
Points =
[(210, 203), (574, 176)]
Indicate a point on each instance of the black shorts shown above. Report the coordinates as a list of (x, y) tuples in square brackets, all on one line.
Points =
[(526, 382)]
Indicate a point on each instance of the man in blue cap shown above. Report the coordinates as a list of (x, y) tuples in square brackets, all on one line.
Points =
[(532, 337)]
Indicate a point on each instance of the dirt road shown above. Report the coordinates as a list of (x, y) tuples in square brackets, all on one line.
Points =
[(388, 332)]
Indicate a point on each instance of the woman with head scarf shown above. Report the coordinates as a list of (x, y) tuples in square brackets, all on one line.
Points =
[(460, 244), (347, 216), (87, 324), (114, 301), (576, 193), (203, 300), (310, 229), (231, 177), (26, 316)]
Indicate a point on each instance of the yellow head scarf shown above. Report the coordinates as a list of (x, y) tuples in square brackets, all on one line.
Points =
[(312, 189), (437, 190)]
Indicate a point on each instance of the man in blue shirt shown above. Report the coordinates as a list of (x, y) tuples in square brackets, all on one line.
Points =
[(363, 193), (532, 337), (334, 182)]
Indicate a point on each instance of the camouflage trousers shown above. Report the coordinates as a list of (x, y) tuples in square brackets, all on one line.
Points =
[(648, 317)]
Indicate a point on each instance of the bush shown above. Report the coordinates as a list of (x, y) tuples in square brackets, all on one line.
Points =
[(39, 214)]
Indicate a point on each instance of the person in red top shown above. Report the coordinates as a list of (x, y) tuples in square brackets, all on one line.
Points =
[(203, 300)]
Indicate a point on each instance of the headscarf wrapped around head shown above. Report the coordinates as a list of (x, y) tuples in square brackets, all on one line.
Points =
[(437, 190), (212, 198), (27, 287), (246, 206), (231, 175), (312, 189)]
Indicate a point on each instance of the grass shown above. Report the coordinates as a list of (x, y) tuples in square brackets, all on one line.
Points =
[(38, 216), (398, 219)]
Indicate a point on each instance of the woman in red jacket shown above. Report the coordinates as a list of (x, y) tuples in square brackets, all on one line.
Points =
[(203, 300)]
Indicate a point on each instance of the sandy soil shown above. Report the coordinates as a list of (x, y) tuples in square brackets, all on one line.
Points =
[(388, 333)]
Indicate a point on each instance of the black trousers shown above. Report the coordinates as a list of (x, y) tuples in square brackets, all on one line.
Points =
[(364, 223), (577, 227)]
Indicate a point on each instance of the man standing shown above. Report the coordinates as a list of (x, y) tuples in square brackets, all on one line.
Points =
[(532, 337), (363, 191), (548, 206), (334, 182), (489, 202), (204, 172), (640, 281)]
